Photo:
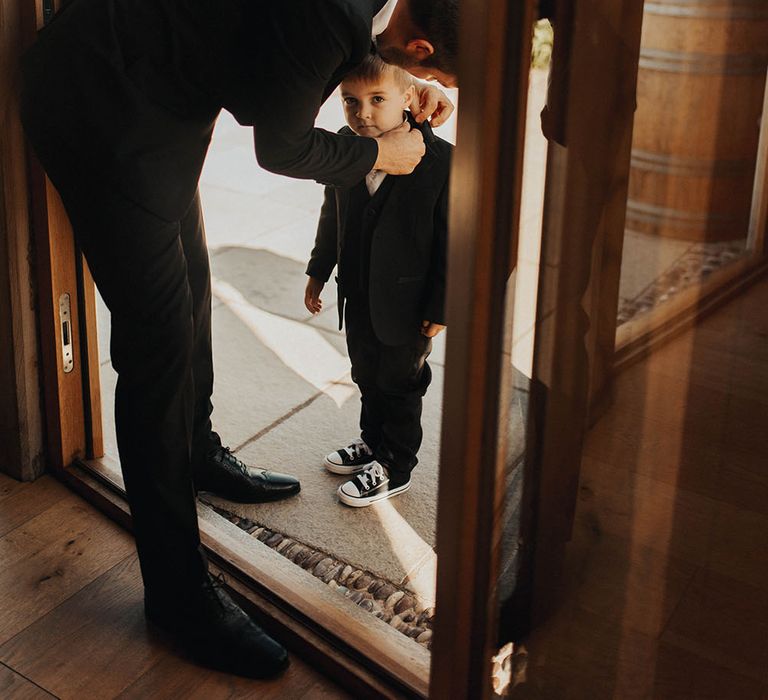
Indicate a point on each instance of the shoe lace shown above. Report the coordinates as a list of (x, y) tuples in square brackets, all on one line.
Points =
[(357, 449), (226, 452), (369, 478)]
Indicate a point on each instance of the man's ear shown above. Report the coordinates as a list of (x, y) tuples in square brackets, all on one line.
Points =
[(419, 49)]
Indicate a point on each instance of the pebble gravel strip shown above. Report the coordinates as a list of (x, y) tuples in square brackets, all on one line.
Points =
[(692, 267), (393, 604)]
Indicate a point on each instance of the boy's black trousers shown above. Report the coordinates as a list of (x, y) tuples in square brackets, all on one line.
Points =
[(392, 382), (154, 276)]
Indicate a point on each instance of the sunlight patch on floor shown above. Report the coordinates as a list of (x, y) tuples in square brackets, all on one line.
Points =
[(416, 556), (300, 347)]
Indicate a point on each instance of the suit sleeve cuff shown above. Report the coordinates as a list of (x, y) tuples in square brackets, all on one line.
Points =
[(318, 271)]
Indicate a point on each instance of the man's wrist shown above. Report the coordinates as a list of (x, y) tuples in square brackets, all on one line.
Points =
[(379, 162)]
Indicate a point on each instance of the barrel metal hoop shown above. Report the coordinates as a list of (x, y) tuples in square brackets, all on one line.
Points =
[(703, 63), (654, 214), (709, 9), (678, 166)]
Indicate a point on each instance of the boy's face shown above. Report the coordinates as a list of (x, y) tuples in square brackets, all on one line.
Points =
[(374, 107)]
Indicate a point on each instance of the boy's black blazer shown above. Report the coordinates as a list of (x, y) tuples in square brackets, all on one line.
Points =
[(128, 91), (407, 221)]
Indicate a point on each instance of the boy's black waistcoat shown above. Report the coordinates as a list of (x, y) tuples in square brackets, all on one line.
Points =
[(128, 91), (404, 226)]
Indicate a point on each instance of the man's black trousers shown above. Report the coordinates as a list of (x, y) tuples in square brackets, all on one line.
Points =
[(392, 382), (154, 277)]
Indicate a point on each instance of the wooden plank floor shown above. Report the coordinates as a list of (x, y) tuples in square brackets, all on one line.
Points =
[(665, 593), (71, 620)]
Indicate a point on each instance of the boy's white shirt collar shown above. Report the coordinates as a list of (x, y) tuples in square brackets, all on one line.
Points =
[(381, 19), (373, 181)]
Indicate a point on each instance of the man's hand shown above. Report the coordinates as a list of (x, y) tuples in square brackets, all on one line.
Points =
[(430, 329), (400, 150), (312, 295), (429, 101)]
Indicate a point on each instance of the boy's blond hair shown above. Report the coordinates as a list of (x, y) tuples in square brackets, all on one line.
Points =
[(373, 69)]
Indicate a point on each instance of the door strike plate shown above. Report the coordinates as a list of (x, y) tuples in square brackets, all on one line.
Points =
[(65, 322)]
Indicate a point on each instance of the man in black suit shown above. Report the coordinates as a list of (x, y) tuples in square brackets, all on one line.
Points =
[(388, 237), (120, 99)]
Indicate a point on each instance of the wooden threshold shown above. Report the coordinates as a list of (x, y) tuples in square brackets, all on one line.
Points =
[(639, 337), (357, 650)]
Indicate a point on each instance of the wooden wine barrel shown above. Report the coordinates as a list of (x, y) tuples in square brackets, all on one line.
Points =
[(701, 84)]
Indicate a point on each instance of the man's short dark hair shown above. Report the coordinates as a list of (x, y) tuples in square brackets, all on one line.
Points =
[(439, 22)]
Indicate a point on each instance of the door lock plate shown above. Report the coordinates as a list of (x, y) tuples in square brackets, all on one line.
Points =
[(67, 345)]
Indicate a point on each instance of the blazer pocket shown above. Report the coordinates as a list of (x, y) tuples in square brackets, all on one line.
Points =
[(411, 278)]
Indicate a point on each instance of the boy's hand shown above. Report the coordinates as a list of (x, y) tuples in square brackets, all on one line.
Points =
[(312, 295), (429, 101), (400, 150), (430, 329)]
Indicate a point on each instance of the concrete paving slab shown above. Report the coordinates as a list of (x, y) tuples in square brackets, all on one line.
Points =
[(306, 195), (257, 379), (229, 133), (235, 168), (235, 218), (271, 282), (293, 240), (264, 368), (103, 326), (422, 579), (336, 338), (265, 364), (108, 378), (391, 539)]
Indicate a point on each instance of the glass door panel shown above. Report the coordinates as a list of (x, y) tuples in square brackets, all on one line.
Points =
[(697, 175)]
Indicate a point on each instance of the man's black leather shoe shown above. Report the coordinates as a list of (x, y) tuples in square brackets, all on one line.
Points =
[(225, 475), (209, 626)]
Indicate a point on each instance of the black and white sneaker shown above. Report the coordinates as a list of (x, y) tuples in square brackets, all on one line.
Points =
[(369, 486), (350, 459)]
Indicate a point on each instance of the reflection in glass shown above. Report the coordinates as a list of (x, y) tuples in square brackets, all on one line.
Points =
[(701, 84), (516, 442)]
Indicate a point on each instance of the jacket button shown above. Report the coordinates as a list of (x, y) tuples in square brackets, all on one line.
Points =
[(371, 212)]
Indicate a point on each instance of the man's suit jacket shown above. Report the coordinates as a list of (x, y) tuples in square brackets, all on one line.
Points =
[(406, 222), (128, 91)]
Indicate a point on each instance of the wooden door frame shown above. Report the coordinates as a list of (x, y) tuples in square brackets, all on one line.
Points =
[(22, 452), (485, 202)]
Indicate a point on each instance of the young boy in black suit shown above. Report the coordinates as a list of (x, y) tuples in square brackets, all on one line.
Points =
[(387, 234)]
